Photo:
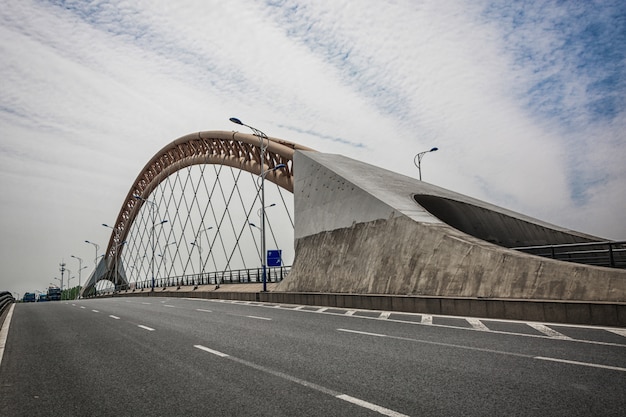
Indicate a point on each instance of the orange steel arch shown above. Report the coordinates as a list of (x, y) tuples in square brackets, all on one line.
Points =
[(238, 150)]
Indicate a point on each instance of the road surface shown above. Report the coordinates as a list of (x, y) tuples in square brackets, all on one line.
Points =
[(192, 357)]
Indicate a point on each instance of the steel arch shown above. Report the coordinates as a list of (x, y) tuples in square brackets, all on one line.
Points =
[(235, 149)]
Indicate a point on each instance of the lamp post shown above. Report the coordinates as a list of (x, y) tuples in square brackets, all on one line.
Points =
[(154, 224), (80, 268), (95, 260), (262, 173), (116, 247), (417, 160), (197, 243), (62, 269)]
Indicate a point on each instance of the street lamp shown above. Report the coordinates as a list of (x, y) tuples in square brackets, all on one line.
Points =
[(62, 269), (262, 173), (417, 160), (95, 260), (197, 243), (80, 268), (154, 224)]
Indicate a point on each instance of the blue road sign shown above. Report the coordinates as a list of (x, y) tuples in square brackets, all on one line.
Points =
[(274, 257)]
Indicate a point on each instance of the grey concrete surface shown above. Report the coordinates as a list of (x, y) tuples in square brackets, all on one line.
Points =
[(359, 230)]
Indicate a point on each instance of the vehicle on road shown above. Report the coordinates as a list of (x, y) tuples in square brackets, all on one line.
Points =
[(54, 294), (42, 297), (29, 297)]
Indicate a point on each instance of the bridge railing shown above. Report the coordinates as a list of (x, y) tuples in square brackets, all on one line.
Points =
[(610, 254), (238, 276), (6, 299)]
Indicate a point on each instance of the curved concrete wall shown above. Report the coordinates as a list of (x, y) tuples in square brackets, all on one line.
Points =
[(359, 230)]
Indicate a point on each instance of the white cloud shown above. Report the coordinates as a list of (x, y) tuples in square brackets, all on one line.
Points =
[(522, 101)]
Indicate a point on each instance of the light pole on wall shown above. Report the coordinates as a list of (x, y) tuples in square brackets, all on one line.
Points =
[(417, 160)]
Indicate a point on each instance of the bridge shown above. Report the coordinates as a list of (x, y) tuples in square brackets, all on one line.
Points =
[(192, 218), (393, 297)]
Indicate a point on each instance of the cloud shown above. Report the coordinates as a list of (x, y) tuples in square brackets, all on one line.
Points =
[(525, 101)]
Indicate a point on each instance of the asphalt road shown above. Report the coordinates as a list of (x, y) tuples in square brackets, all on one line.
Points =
[(192, 357)]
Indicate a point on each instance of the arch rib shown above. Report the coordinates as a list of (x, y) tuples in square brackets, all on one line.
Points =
[(234, 149)]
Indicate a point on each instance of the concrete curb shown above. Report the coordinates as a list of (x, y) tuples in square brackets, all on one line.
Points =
[(551, 311)]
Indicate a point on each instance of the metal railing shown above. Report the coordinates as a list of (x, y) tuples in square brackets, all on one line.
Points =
[(238, 276), (610, 254), (6, 299)]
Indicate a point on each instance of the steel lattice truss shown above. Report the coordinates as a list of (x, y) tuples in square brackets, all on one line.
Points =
[(193, 204)]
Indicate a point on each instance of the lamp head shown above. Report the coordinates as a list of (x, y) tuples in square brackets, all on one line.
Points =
[(434, 149), (236, 121)]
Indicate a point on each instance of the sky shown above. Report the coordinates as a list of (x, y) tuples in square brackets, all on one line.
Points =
[(525, 100)]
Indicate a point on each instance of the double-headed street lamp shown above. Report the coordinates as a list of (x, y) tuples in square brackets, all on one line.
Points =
[(262, 173), (197, 243), (95, 260), (417, 160), (154, 224), (80, 268)]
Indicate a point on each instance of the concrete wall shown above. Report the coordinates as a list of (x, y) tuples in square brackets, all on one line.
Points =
[(359, 230)]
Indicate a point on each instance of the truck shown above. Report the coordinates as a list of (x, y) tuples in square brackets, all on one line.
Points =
[(29, 297), (54, 294)]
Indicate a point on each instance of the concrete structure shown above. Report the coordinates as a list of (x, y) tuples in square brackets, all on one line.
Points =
[(360, 229)]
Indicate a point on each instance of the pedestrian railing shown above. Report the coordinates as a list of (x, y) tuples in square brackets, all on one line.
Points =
[(239, 276), (610, 254)]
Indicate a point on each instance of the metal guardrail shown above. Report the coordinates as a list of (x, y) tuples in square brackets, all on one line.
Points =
[(610, 254), (6, 299), (238, 276)]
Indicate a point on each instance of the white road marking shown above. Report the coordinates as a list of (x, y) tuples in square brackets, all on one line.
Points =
[(145, 327), (621, 332), (384, 315), (360, 332), (95, 311), (321, 310), (299, 308), (146, 303), (373, 407), (477, 324), (4, 332), (349, 313), (168, 305), (259, 318), (593, 365), (205, 311), (82, 306), (114, 317), (519, 355), (380, 410), (427, 319), (214, 352), (548, 331)]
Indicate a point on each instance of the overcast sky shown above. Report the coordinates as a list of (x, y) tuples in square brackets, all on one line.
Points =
[(526, 101)]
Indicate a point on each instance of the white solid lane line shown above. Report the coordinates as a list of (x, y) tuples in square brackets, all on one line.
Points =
[(593, 365), (4, 332), (373, 407), (519, 355), (145, 327)]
